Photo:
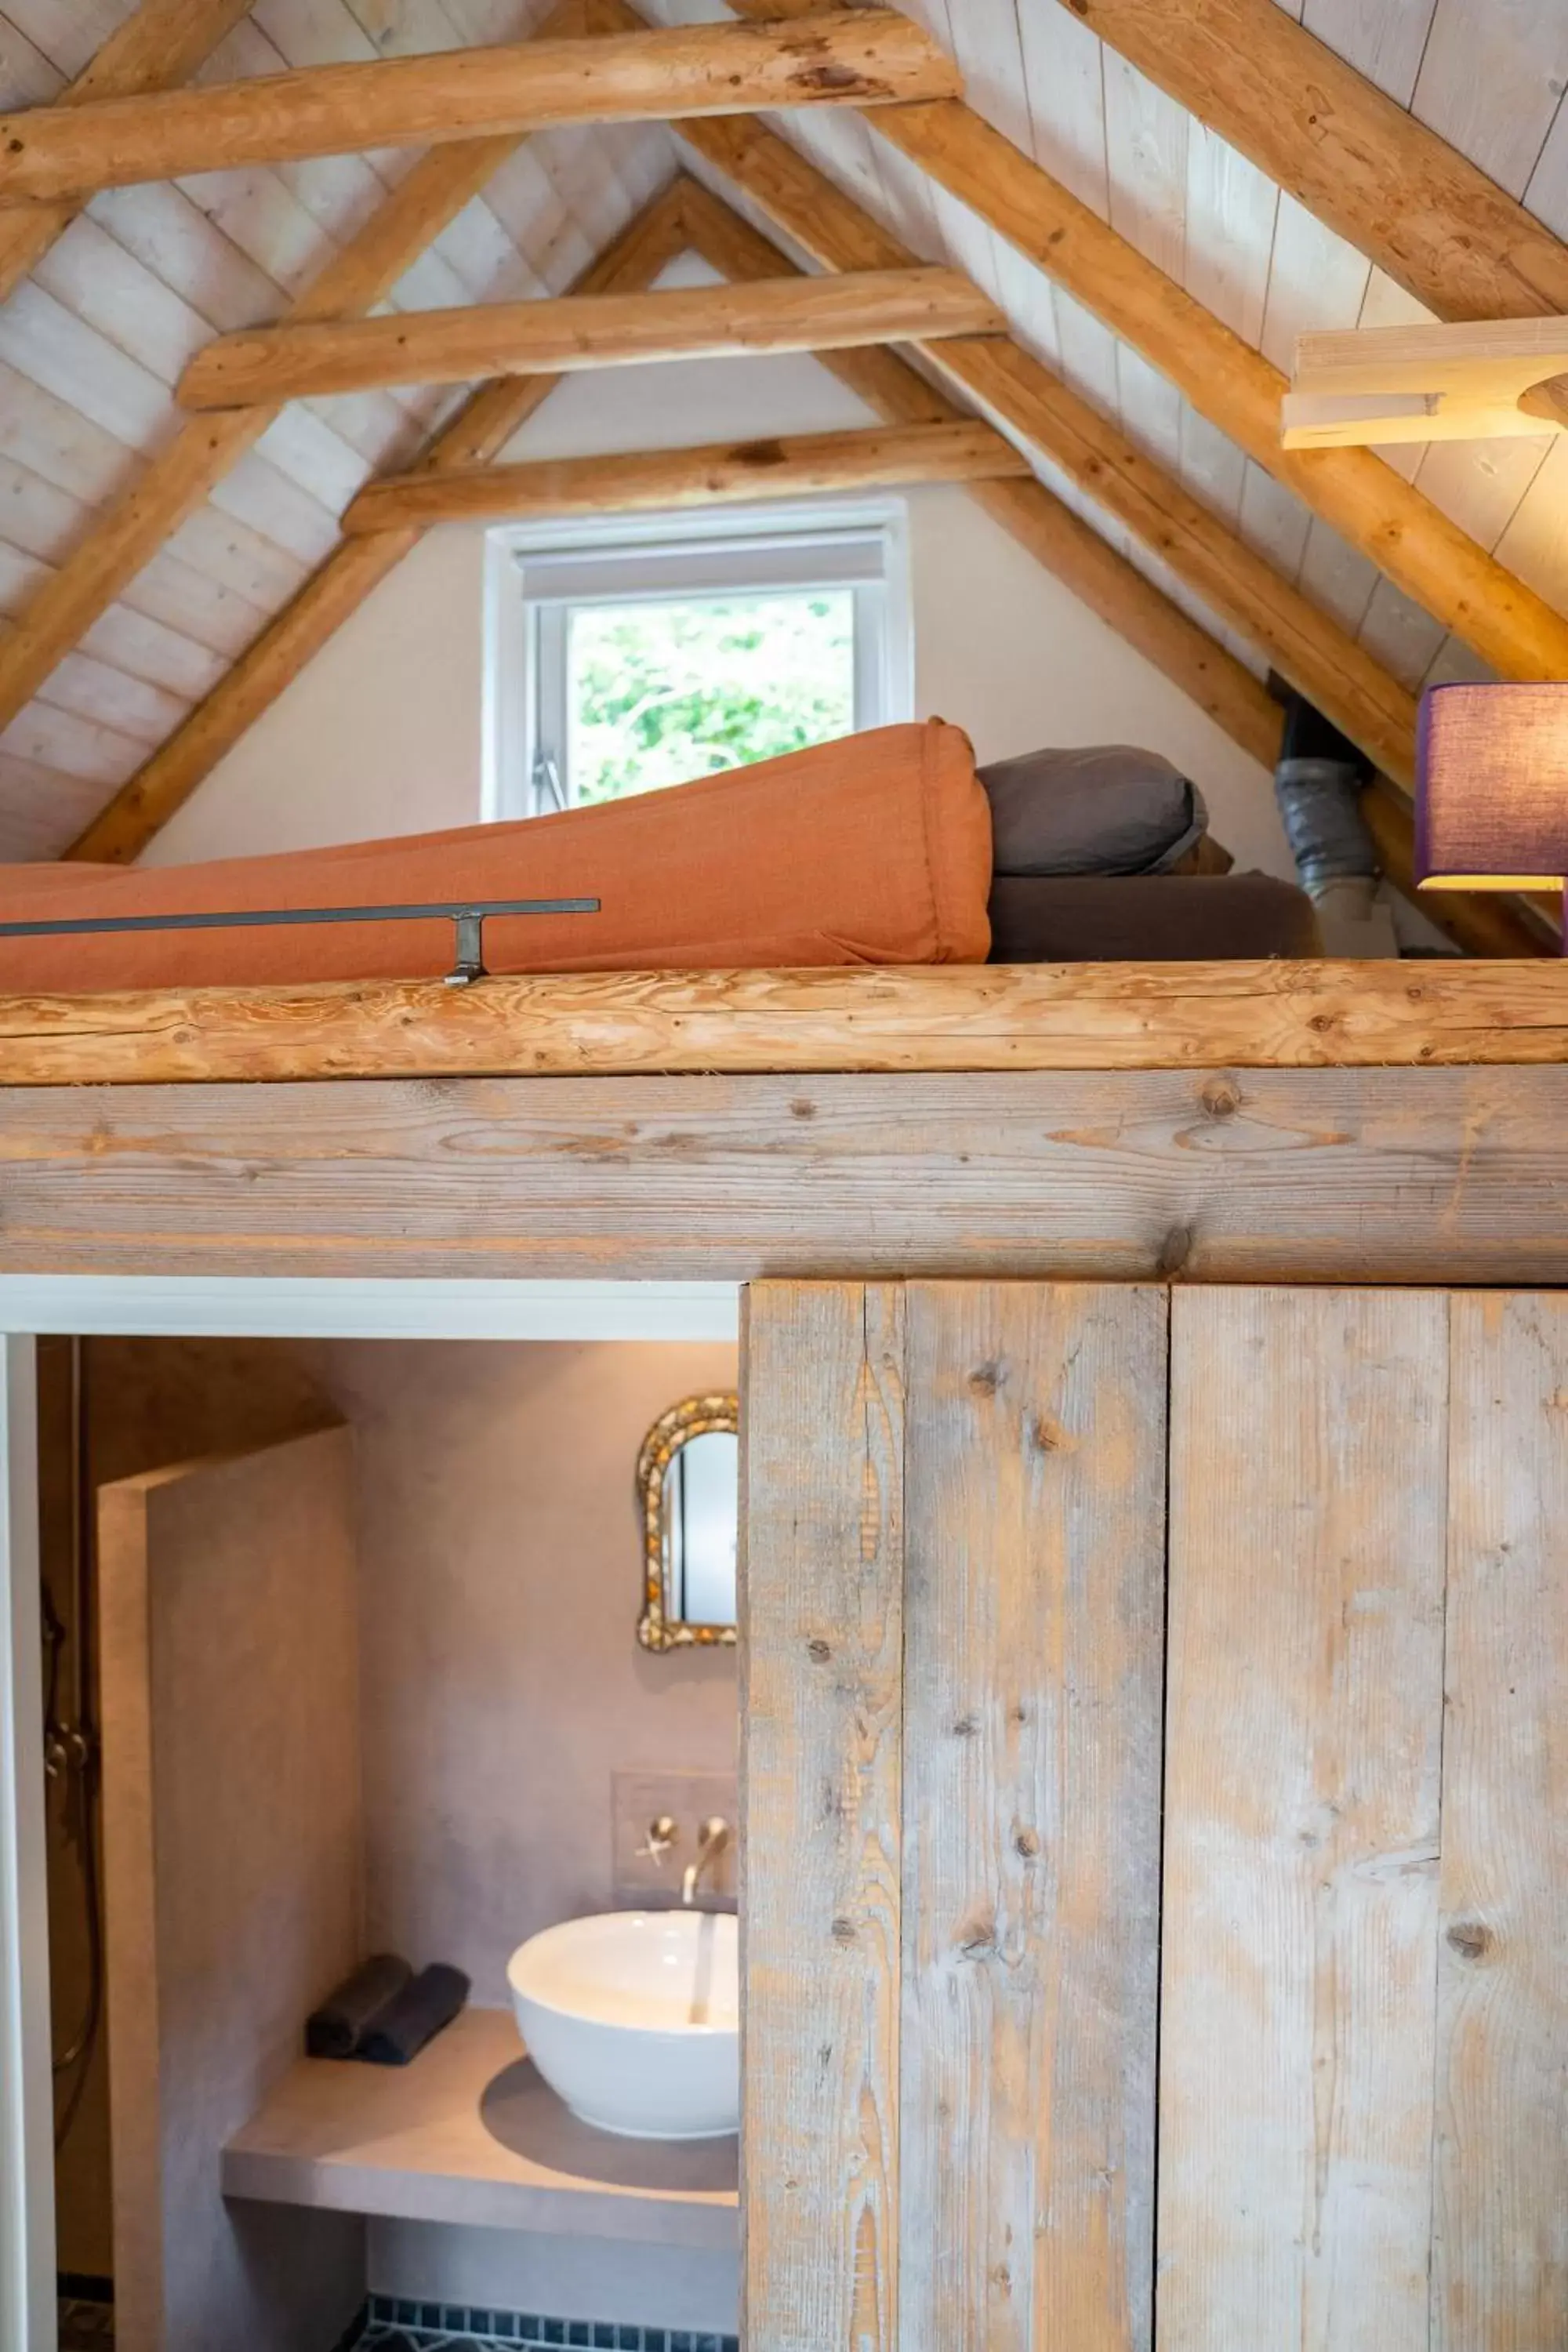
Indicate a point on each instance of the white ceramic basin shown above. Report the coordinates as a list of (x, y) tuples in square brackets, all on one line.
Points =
[(633, 2017)]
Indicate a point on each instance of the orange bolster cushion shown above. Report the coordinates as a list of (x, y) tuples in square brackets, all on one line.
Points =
[(874, 849)]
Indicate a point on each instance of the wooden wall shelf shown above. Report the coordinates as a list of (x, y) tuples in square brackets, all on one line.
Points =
[(469, 2133)]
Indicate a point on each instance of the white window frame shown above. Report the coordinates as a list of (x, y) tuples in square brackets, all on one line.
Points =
[(535, 575)]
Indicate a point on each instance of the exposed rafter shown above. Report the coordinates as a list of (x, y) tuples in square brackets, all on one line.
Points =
[(689, 214), (587, 331), (60, 613), (1309, 649), (1386, 182), (1483, 923), (868, 58), (1409, 538), (163, 43)]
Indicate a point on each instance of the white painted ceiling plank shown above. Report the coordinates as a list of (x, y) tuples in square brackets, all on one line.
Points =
[(1535, 544), (1383, 39), (76, 746), (69, 32), (1146, 151), (1212, 467), (1315, 280), (146, 649), (1064, 81), (1338, 577), (1401, 635), (27, 77), (105, 695), (277, 509), (44, 340), (1492, 81), (41, 811), (1231, 208)]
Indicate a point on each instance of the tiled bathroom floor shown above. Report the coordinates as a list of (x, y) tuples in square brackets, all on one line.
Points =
[(422, 2327)]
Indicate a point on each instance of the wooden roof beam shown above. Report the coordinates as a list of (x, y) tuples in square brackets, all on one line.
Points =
[(162, 43), (587, 331), (1304, 643), (339, 586), (1484, 923), (865, 58), (1354, 157), (1412, 542), (173, 484), (721, 473)]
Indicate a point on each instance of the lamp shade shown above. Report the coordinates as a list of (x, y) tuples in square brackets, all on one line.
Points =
[(1492, 788)]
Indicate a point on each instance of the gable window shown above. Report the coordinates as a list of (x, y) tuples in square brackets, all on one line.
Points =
[(624, 662)]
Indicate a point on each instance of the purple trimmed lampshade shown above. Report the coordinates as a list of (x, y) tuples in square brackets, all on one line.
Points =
[(1492, 788)]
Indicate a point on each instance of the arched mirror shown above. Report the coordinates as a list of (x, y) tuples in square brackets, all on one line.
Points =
[(689, 1480)]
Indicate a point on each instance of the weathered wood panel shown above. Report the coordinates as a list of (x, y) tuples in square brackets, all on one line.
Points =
[(1270, 1015), (1349, 1176), (1307, 1484), (1036, 1471), (1501, 2238), (821, 1635)]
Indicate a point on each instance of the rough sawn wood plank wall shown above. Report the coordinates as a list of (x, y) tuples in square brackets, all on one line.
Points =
[(958, 1674)]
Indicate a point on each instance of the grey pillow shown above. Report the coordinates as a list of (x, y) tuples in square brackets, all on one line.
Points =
[(1109, 809)]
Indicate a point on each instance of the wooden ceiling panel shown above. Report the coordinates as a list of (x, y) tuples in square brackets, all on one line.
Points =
[(91, 343)]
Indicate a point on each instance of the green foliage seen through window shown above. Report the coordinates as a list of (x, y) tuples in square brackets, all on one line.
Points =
[(660, 693)]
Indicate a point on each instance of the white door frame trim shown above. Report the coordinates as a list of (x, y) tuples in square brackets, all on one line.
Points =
[(138, 1305)]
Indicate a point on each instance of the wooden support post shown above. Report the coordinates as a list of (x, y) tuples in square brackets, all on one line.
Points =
[(162, 783), (162, 43), (460, 345), (870, 57), (805, 465), (1371, 172)]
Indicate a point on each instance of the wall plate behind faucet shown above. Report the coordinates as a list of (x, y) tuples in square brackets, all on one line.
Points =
[(637, 1800)]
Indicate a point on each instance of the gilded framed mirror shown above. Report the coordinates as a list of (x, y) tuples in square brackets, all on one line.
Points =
[(688, 1489)]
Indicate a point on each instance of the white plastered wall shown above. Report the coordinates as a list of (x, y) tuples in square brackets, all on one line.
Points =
[(383, 732)]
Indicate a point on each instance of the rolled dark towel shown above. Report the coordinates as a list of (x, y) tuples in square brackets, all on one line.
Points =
[(334, 2029), (415, 2016)]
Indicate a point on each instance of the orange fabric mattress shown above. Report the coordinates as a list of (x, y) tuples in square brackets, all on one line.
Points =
[(875, 849)]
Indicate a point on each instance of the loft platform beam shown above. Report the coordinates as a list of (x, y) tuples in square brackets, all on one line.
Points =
[(804, 465), (868, 57), (162, 43), (587, 331)]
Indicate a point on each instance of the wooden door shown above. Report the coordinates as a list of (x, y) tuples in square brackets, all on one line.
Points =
[(953, 1629), (1364, 2097), (957, 1958)]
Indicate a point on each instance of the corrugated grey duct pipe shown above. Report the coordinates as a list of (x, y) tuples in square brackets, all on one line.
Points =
[(1317, 783)]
